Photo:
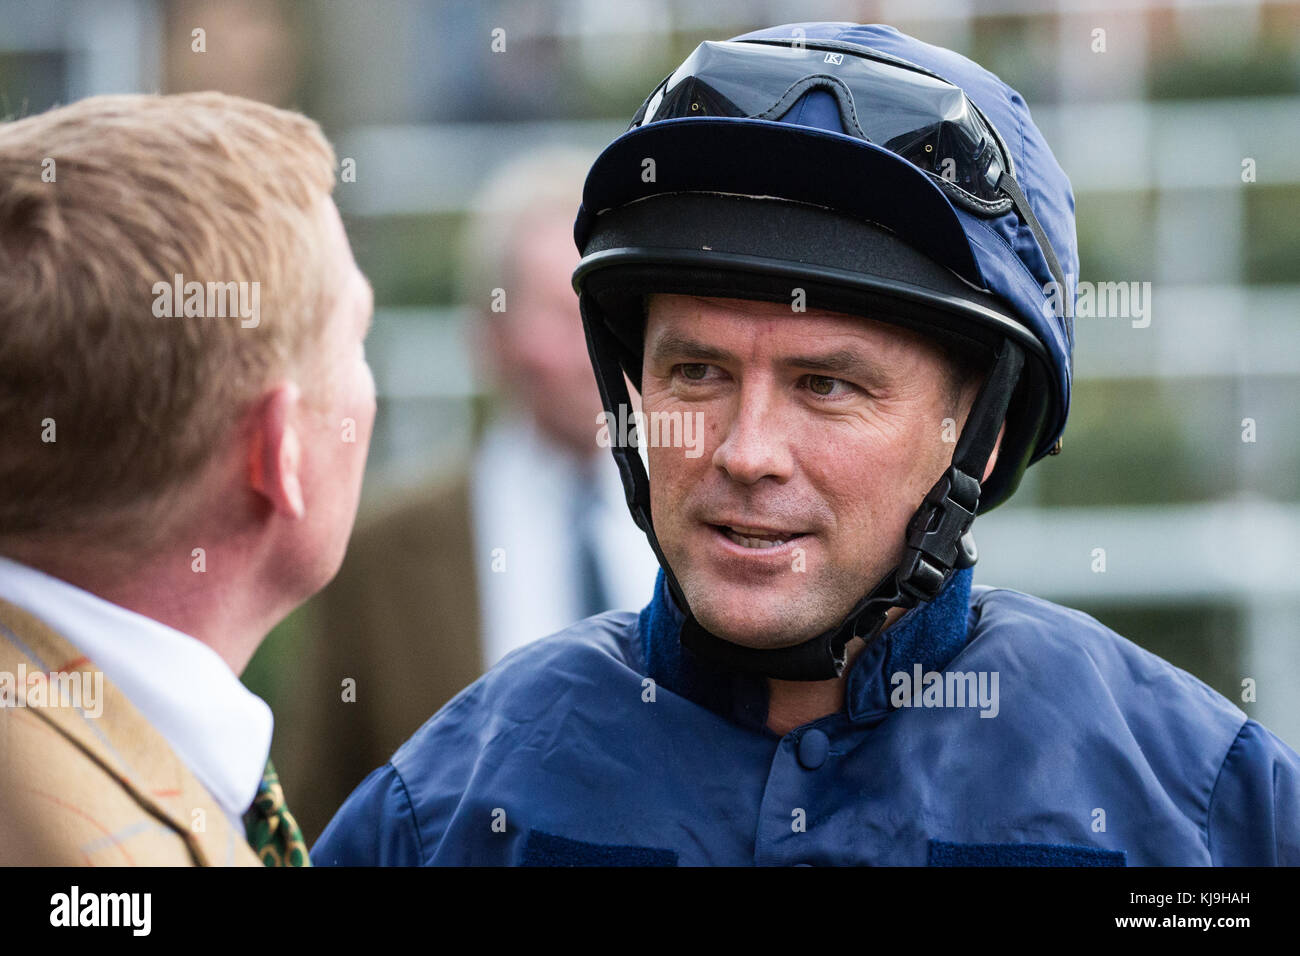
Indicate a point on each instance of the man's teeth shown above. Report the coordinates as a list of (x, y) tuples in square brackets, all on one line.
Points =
[(749, 541)]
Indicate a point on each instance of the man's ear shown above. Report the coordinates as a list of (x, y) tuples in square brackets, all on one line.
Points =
[(993, 458), (275, 450)]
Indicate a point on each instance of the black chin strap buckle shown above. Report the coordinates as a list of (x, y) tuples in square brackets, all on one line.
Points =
[(938, 536)]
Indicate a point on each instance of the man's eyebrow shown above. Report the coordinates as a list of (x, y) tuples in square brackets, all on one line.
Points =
[(676, 345), (839, 362), (673, 344)]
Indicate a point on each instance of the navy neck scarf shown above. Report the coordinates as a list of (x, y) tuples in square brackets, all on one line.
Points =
[(930, 635)]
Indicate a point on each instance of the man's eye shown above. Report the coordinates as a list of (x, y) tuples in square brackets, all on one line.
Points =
[(695, 372), (822, 385)]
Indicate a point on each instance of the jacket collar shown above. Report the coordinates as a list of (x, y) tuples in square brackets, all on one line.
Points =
[(120, 740), (218, 727), (929, 635)]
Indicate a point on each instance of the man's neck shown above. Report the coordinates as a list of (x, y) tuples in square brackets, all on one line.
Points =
[(208, 606), (792, 704)]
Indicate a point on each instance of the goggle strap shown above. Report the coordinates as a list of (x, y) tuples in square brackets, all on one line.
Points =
[(988, 412), (1009, 185), (602, 347)]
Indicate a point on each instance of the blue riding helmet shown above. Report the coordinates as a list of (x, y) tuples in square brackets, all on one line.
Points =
[(884, 177)]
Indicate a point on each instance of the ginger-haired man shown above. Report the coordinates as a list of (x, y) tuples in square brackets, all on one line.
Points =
[(185, 411)]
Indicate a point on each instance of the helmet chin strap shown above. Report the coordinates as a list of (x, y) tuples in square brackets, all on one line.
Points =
[(938, 539)]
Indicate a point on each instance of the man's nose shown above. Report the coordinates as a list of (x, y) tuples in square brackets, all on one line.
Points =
[(756, 445)]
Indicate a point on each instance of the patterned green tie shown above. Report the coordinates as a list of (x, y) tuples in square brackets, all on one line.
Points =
[(273, 833)]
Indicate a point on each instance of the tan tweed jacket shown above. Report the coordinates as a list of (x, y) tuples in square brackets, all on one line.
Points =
[(106, 790)]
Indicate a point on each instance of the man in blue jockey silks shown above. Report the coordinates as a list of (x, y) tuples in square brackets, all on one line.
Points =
[(839, 255)]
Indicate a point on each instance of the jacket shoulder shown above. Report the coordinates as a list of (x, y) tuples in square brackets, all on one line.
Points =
[(399, 812), (66, 809), (1140, 723), (1261, 776), (1068, 644), (528, 680), (93, 782)]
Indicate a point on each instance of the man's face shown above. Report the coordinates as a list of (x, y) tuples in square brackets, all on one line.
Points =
[(338, 410), (821, 434)]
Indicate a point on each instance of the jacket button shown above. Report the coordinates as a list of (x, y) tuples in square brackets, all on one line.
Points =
[(814, 746)]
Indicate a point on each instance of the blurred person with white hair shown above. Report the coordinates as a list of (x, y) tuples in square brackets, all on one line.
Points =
[(528, 537)]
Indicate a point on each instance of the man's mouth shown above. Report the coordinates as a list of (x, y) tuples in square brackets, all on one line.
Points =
[(757, 538)]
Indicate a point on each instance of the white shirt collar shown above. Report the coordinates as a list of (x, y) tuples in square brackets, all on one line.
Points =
[(218, 728)]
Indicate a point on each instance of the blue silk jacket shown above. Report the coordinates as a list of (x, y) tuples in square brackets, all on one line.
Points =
[(985, 728)]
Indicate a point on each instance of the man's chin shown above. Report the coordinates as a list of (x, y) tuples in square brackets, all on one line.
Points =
[(767, 623)]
